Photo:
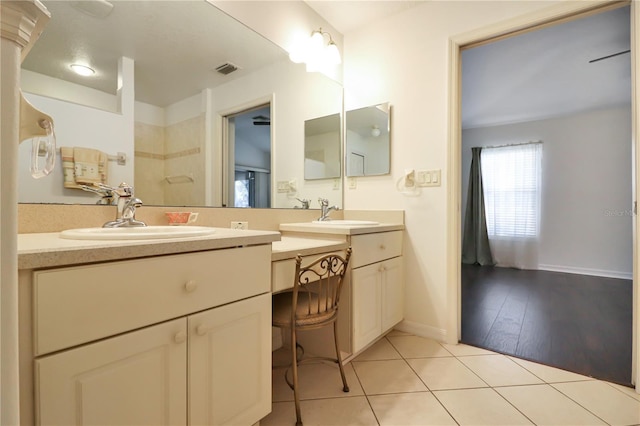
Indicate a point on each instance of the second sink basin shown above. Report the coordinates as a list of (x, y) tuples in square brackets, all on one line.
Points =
[(345, 222), (136, 233)]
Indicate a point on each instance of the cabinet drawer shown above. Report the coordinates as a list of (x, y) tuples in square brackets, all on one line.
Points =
[(80, 304), (282, 271), (371, 248)]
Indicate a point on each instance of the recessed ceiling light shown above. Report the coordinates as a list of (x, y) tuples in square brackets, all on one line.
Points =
[(82, 70)]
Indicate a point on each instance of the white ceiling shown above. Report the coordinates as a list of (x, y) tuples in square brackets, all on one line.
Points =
[(168, 40), (546, 73), (349, 15), (535, 75)]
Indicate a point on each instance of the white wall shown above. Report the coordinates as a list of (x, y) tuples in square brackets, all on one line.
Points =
[(292, 89), (404, 59), (586, 188)]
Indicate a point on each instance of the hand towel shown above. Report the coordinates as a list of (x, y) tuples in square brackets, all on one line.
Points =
[(83, 166)]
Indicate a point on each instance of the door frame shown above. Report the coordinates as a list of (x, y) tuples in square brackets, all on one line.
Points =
[(222, 140), (552, 15)]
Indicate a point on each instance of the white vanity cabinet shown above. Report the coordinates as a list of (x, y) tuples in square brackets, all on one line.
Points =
[(166, 340), (377, 286), (372, 301)]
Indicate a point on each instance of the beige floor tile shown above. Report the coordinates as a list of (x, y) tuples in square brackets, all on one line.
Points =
[(626, 390), (544, 405), (611, 405), (317, 380), (408, 409), (395, 332), (391, 376), (282, 414), (323, 412), (480, 407), (498, 370), (465, 350), (382, 349), (445, 373), (418, 347), (549, 374)]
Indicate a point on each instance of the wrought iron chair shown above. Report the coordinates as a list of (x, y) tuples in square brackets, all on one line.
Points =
[(312, 303)]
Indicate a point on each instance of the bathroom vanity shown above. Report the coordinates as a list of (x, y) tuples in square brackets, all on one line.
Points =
[(372, 301), (172, 331)]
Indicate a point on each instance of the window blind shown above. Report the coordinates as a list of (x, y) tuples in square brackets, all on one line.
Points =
[(511, 178)]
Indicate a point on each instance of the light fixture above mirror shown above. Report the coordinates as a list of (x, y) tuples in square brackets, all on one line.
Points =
[(317, 52)]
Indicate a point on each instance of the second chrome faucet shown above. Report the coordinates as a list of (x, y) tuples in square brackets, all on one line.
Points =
[(326, 209), (125, 202)]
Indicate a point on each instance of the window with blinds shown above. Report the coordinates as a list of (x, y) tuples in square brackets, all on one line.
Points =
[(511, 178)]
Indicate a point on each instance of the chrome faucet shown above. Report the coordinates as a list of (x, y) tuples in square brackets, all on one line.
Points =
[(304, 202), (324, 205), (126, 206)]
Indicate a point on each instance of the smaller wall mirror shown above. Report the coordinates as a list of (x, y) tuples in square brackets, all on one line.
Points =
[(322, 147), (368, 141)]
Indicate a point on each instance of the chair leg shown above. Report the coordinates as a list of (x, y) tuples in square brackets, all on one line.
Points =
[(294, 366), (345, 387)]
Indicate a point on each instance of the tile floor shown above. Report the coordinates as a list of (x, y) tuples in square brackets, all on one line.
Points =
[(409, 380)]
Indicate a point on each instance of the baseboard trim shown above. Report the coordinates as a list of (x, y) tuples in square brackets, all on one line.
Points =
[(422, 330), (586, 271)]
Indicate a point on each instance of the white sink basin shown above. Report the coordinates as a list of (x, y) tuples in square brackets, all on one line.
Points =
[(345, 222), (136, 233)]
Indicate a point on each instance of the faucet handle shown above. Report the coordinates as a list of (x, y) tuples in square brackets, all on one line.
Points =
[(323, 201), (123, 190)]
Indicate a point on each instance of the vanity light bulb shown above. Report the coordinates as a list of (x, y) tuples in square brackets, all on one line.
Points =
[(82, 70), (333, 54)]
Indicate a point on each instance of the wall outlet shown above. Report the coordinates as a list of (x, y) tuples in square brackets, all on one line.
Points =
[(239, 225), (352, 182)]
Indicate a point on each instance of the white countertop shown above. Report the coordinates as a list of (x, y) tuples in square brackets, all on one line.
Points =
[(49, 250), (289, 247), (336, 229)]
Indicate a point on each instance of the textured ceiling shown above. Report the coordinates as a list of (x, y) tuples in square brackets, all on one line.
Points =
[(546, 73), (176, 45)]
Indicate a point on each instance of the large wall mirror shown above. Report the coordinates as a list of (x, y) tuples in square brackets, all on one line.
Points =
[(368, 140), (322, 147), (190, 66)]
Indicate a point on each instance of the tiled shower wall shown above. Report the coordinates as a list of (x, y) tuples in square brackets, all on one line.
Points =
[(176, 151)]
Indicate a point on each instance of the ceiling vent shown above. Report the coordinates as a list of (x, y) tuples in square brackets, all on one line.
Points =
[(226, 68)]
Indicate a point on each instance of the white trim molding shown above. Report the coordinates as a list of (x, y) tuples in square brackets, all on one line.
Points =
[(586, 271), (422, 330)]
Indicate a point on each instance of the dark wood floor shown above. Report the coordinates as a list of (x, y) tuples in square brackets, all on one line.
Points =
[(575, 322)]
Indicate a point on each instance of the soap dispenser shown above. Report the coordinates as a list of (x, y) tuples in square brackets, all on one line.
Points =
[(38, 127)]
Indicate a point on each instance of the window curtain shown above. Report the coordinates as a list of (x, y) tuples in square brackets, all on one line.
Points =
[(475, 240), (511, 178)]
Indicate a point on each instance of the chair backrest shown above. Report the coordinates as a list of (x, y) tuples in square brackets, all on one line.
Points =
[(317, 286)]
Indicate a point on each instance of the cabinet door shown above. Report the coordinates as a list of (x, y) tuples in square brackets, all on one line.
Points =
[(138, 378), (392, 293), (230, 363), (366, 303)]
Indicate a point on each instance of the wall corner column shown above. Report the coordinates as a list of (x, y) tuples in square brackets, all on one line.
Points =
[(21, 23)]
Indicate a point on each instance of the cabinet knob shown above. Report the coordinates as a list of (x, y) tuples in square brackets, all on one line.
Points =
[(201, 330), (180, 337), (382, 268), (190, 286), (382, 247)]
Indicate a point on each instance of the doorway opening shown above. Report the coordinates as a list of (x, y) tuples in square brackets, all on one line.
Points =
[(574, 308), (247, 153)]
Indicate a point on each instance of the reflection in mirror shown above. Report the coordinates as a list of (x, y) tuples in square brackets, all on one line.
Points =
[(157, 97), (322, 147), (368, 141), (249, 150)]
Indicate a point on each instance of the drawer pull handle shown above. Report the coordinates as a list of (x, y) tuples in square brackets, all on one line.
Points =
[(180, 337), (190, 286), (382, 268), (201, 330), (382, 247)]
